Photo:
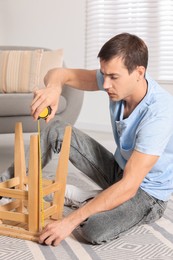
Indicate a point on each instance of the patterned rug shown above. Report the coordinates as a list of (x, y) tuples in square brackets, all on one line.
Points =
[(147, 242)]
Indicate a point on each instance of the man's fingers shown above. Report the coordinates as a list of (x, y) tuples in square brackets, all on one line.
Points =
[(44, 98), (49, 240), (37, 95), (49, 236), (38, 107), (53, 112)]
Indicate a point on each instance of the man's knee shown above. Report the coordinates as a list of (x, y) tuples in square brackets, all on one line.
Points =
[(53, 133), (56, 126), (95, 232)]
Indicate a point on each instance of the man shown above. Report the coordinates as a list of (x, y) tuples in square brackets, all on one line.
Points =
[(137, 180)]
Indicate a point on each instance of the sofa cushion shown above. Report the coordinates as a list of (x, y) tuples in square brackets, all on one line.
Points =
[(24, 70), (19, 104)]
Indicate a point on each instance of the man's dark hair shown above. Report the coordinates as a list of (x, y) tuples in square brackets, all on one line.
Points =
[(130, 48)]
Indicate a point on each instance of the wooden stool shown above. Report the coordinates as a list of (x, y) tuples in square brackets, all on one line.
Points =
[(24, 215)]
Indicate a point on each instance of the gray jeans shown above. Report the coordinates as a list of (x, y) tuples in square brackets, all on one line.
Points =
[(99, 164)]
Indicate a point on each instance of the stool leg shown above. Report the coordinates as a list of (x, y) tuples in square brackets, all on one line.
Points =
[(33, 186), (61, 173), (19, 159)]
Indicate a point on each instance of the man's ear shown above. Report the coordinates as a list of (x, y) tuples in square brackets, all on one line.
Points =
[(140, 72)]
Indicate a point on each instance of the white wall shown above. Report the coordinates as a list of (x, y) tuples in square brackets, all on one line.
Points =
[(54, 24), (48, 23)]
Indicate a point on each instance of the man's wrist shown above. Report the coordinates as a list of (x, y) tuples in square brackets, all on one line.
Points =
[(76, 217)]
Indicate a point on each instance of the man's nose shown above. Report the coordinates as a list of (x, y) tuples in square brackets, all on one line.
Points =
[(106, 84)]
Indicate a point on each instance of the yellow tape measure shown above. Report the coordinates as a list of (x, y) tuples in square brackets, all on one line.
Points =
[(40, 180), (44, 114)]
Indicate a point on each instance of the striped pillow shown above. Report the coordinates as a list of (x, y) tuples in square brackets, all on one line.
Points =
[(24, 71)]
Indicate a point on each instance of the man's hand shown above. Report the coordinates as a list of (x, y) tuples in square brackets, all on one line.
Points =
[(56, 231), (43, 98), (49, 96)]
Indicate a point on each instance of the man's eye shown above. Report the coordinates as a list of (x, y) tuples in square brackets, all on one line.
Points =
[(114, 78)]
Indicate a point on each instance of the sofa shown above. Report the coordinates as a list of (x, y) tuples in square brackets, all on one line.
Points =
[(21, 70)]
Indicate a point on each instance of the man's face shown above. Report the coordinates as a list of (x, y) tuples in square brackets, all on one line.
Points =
[(119, 84)]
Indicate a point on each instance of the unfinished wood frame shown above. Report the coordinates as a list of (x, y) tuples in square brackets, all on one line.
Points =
[(22, 216)]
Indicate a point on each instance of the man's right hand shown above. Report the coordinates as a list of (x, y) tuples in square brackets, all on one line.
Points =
[(48, 96), (43, 98)]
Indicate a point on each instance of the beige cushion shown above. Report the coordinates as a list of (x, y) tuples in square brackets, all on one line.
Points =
[(24, 71)]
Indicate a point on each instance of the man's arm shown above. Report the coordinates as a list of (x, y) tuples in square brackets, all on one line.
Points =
[(136, 169), (77, 78), (54, 81)]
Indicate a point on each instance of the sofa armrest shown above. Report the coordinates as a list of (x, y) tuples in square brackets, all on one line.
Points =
[(15, 107)]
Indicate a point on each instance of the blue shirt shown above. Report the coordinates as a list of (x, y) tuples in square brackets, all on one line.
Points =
[(148, 129)]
